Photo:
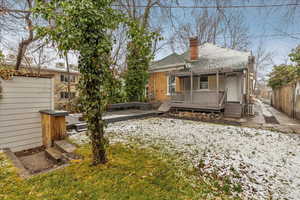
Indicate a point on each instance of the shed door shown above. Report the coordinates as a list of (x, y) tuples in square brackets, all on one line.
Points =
[(232, 88), (20, 120)]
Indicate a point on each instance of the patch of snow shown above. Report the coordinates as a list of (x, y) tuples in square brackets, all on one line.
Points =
[(265, 163)]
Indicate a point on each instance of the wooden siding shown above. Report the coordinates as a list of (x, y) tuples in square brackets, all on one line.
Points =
[(212, 82), (158, 86), (20, 121)]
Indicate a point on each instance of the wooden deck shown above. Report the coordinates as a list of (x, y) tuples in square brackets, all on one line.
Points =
[(196, 107)]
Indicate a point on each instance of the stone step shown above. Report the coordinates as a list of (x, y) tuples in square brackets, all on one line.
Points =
[(54, 154), (64, 146)]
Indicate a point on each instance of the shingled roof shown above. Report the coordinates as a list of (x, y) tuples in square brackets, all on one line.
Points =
[(210, 56)]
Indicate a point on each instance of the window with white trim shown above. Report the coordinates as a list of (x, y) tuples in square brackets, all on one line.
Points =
[(171, 84)]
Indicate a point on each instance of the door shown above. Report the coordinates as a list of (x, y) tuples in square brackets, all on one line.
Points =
[(232, 88)]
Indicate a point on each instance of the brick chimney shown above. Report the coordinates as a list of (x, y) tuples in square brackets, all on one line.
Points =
[(194, 53)]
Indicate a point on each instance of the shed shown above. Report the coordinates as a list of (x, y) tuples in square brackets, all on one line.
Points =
[(21, 99)]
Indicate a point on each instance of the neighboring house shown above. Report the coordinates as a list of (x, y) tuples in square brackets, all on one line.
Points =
[(61, 86), (60, 80), (206, 78)]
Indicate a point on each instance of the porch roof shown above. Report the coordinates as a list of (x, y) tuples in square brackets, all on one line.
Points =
[(204, 71)]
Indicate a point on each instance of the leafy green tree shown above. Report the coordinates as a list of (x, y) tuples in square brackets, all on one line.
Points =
[(138, 60), (282, 75), (295, 55), (285, 74), (83, 26)]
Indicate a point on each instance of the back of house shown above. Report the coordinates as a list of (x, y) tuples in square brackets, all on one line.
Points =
[(205, 78)]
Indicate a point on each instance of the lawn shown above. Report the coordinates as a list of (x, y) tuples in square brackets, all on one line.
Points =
[(133, 172)]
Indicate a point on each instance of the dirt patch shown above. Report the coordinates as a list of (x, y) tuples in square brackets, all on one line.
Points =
[(271, 120), (37, 162)]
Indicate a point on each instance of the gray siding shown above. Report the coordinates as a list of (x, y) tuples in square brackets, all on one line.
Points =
[(20, 120)]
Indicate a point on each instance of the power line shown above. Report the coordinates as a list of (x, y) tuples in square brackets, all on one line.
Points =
[(214, 7), (4, 10)]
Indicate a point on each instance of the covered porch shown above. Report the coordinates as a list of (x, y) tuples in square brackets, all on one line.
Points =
[(208, 90)]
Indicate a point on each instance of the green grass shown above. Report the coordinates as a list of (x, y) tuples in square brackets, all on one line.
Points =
[(132, 173)]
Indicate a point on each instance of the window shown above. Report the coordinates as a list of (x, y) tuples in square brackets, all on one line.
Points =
[(171, 85), (65, 95), (64, 78), (200, 82), (203, 82)]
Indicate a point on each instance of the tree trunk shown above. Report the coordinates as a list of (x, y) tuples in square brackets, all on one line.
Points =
[(98, 143), (24, 43), (93, 101)]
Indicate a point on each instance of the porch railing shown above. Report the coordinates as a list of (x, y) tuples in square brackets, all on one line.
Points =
[(209, 98)]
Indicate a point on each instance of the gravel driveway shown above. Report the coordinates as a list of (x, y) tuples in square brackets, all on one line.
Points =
[(265, 163)]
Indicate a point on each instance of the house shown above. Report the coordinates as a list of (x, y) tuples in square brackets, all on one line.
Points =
[(206, 78), (61, 77)]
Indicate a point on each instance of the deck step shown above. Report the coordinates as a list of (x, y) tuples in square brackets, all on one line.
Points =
[(81, 127), (64, 146), (233, 110), (54, 154)]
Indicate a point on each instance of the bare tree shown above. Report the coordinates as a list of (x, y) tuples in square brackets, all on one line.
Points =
[(218, 27), (17, 21), (263, 59)]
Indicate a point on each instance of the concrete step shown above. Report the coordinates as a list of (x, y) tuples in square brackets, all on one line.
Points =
[(64, 146), (54, 154)]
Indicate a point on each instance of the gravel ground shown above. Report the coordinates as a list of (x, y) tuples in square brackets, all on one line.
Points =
[(265, 163)]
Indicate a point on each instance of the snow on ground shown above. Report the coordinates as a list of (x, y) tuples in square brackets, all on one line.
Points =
[(265, 163)]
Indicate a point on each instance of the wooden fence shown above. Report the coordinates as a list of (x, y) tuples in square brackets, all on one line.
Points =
[(286, 99)]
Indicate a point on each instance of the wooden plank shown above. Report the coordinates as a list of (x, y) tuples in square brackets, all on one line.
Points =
[(20, 122), (5, 118), (24, 90), (24, 100), (14, 106), (46, 129), (26, 146), (18, 138), (9, 85), (17, 79), (21, 132), (27, 95), (21, 127), (22, 111)]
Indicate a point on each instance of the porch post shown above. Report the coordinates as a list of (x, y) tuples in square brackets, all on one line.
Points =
[(218, 99), (191, 86)]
